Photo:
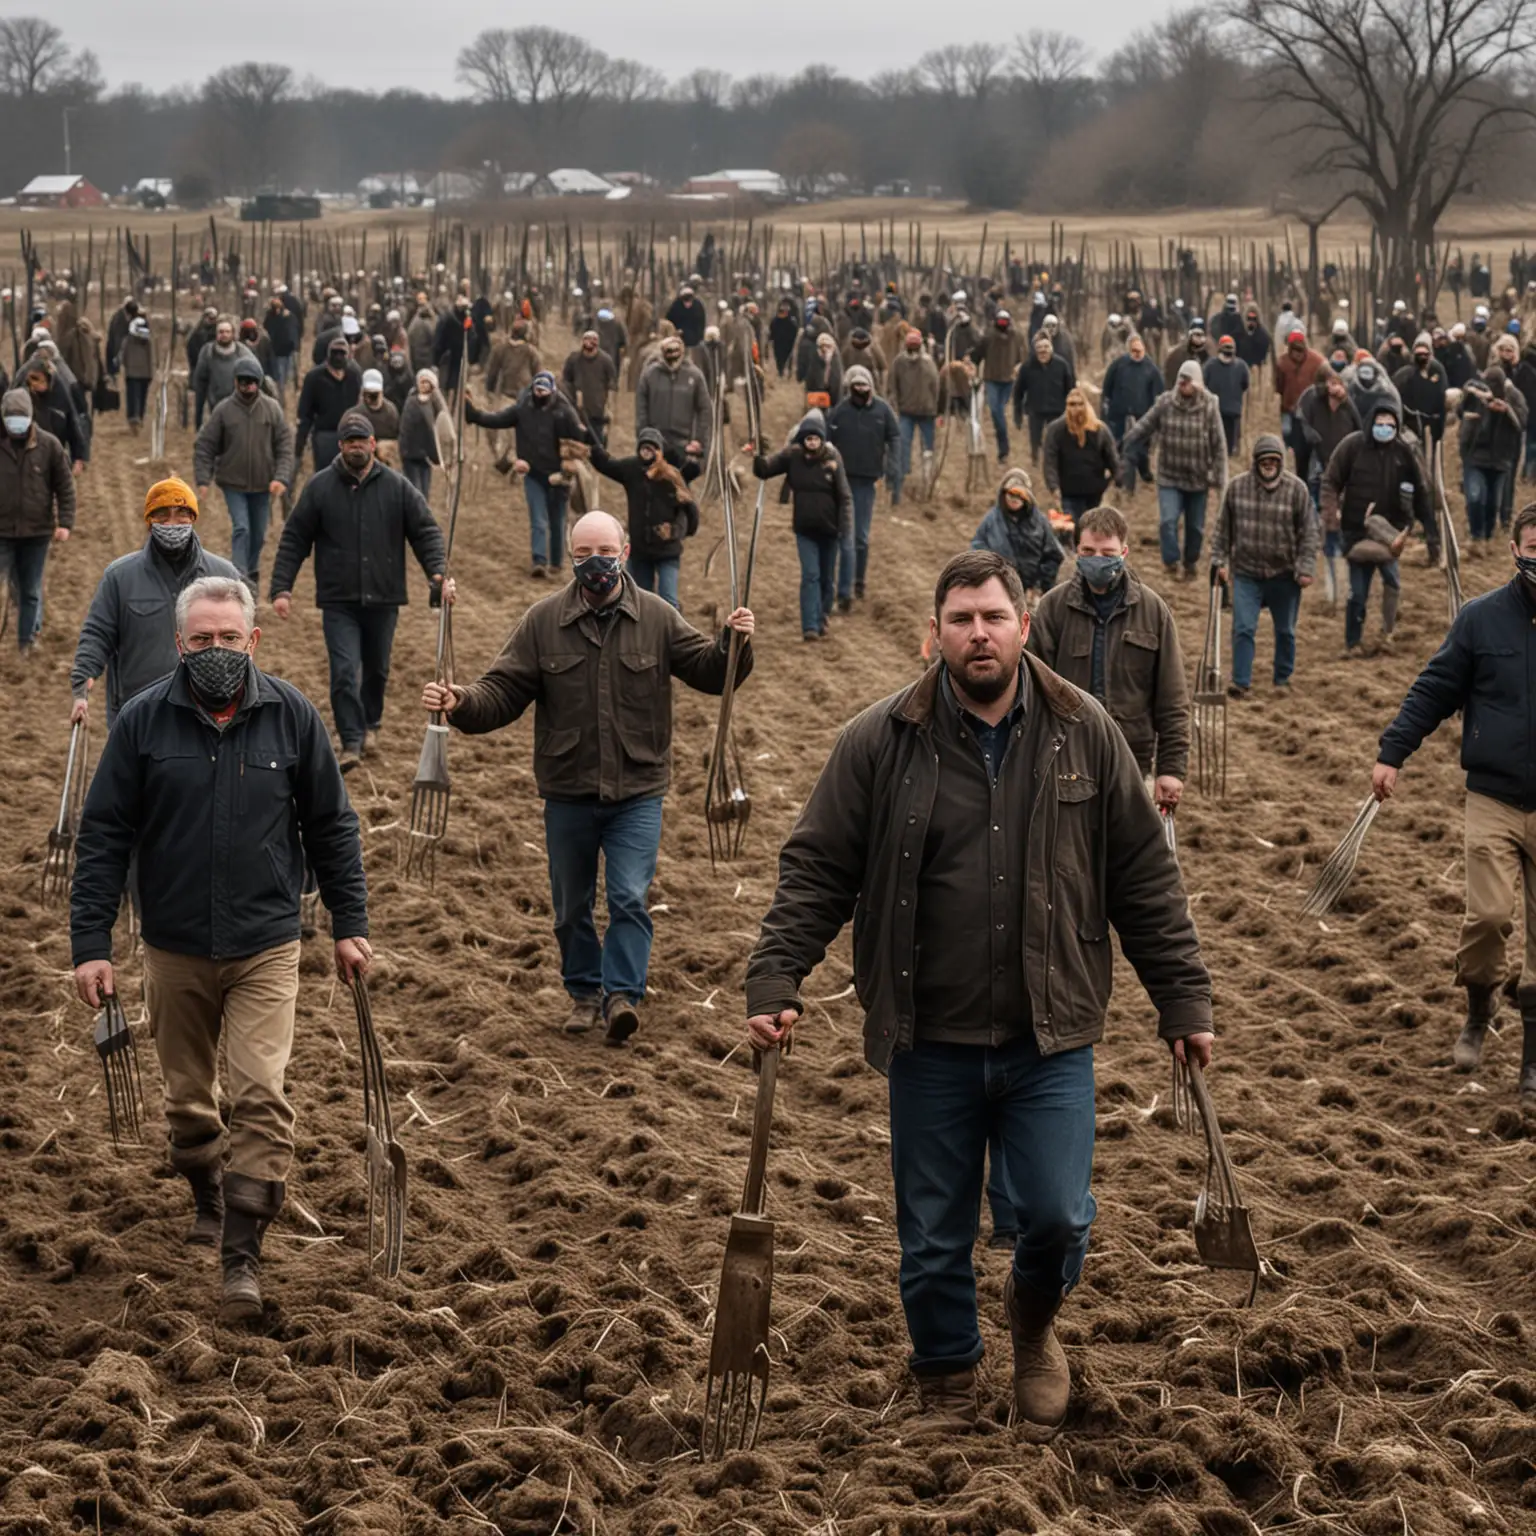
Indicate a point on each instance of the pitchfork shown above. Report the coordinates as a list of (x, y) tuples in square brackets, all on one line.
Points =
[(1334, 877), (1210, 706), (738, 1350), (385, 1157), (431, 791), (120, 1064), (1449, 542), (60, 863), (1223, 1227)]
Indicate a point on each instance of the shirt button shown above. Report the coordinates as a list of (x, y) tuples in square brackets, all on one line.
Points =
[(999, 927), (903, 901)]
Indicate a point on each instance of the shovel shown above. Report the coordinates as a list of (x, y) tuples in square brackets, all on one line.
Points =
[(1210, 706), (385, 1157), (738, 1349), (120, 1064), (60, 863), (1334, 877), (1223, 1228)]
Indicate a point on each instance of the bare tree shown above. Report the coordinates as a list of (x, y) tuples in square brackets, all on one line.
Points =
[(1399, 95), (1053, 68), (812, 154), (707, 88), (630, 81), (245, 101), (33, 54), (551, 75), (1176, 48), (962, 71)]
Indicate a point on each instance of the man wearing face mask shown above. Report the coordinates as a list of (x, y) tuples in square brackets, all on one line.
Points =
[(1483, 671), (37, 509), (246, 448), (1226, 377), (915, 399), (130, 629), (54, 412), (589, 377), (673, 398), (862, 428), (1265, 548), (382, 414), (1297, 368), (998, 355), (662, 512), (1421, 384), (213, 379), (597, 661), (358, 516), (218, 780), (542, 417), (328, 393), (1372, 473)]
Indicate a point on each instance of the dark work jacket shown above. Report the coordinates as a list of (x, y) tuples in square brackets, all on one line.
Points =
[(862, 434), (1096, 857), (1486, 667), (222, 823), (55, 412), (823, 501), (1423, 396), (448, 348), (539, 428), (282, 328), (1130, 389), (1457, 362), (1362, 473), (653, 504), (1042, 388), (358, 530), (689, 319), (324, 400)]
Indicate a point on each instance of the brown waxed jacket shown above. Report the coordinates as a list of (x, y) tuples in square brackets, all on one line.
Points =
[(1147, 691), (602, 691), (1097, 856), (37, 490)]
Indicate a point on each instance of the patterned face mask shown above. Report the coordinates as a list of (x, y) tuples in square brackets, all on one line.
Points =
[(171, 537), (216, 674)]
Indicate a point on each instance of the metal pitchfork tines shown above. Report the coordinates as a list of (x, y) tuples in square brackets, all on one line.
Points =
[(738, 1349), (384, 1156), (59, 866), (1170, 836), (1210, 706), (1334, 877), (1223, 1227), (120, 1064)]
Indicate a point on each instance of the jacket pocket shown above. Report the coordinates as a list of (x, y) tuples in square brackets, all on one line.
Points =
[(266, 787), (642, 709)]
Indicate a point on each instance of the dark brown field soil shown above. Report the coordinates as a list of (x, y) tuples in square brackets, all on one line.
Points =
[(538, 1367)]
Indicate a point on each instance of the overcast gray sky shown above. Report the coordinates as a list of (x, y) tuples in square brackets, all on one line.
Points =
[(379, 44)]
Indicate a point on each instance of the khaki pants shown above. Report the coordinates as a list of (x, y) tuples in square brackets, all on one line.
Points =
[(1501, 853), (252, 1001)]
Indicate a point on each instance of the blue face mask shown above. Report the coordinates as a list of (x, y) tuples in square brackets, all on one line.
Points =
[(1338, 364), (1383, 431), (1101, 572)]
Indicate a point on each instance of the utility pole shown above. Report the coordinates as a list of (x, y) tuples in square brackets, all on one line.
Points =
[(68, 169)]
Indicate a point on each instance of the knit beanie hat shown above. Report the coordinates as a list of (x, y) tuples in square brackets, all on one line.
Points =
[(857, 375), (171, 492), (17, 402), (1191, 370)]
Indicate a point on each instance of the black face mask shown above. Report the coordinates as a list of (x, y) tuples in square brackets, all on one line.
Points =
[(217, 675), (599, 574)]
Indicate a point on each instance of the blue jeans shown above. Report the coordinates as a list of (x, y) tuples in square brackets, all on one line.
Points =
[(1171, 505), (1075, 506), (1360, 577), (546, 519), (358, 640), (1485, 496), (658, 576), (818, 580), (999, 393), (946, 1102), (1530, 458), (627, 834), (853, 552), (908, 426), (248, 514), (325, 445), (282, 371), (22, 562), (1282, 596)]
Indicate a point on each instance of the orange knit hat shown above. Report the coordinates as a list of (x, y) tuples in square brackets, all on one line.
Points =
[(169, 493)]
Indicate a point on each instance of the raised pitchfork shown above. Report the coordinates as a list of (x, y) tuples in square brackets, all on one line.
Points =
[(738, 1349), (59, 866), (1334, 877), (120, 1064), (1223, 1226), (1210, 706), (384, 1156), (431, 791)]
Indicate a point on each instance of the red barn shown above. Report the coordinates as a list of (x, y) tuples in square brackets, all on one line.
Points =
[(60, 192)]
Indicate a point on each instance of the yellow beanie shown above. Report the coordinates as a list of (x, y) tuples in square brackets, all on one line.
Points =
[(170, 493)]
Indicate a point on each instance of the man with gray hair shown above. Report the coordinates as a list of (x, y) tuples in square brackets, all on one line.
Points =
[(220, 782)]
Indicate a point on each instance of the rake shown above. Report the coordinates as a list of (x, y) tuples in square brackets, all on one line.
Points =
[(1223, 1226), (431, 791), (120, 1065), (59, 866), (384, 1156), (737, 1389), (1210, 706), (1334, 877)]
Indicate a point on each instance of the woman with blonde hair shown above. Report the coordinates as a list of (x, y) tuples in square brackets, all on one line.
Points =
[(1080, 460)]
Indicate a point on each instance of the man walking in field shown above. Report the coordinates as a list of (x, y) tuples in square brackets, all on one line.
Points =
[(994, 810)]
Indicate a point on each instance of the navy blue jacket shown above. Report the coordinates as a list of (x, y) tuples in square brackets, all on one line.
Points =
[(1130, 388), (1487, 669), (862, 434), (221, 823)]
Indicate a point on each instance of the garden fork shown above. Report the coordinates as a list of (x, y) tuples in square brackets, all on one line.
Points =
[(385, 1157), (59, 866)]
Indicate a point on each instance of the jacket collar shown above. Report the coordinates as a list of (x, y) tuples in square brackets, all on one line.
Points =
[(574, 607), (915, 706)]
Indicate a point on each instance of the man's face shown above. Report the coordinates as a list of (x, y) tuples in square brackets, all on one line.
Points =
[(1043, 350), (1526, 548), (1335, 388), (1095, 543), (212, 623), (1227, 354), (357, 454), (672, 355), (604, 541), (981, 639), (589, 345), (647, 452), (1186, 387), (1138, 348), (1421, 356), (336, 357), (247, 389), (1297, 348), (811, 442), (172, 517), (38, 383)]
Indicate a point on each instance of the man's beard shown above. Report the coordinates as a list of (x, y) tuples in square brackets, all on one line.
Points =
[(980, 690)]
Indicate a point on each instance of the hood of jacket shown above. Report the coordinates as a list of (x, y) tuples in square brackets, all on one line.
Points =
[(813, 423), (1019, 478)]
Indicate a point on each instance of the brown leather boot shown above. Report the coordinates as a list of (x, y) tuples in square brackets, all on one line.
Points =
[(1042, 1382), (948, 1404)]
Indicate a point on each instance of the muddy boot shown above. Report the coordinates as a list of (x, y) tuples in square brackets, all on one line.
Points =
[(947, 1403), (1042, 1383), (1528, 1060), (203, 1168), (1468, 1050), (249, 1205), (584, 1014)]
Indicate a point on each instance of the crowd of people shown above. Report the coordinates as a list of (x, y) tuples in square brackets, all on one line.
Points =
[(1058, 694)]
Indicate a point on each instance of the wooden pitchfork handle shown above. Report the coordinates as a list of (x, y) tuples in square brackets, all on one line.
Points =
[(753, 1196), (1215, 1144)]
